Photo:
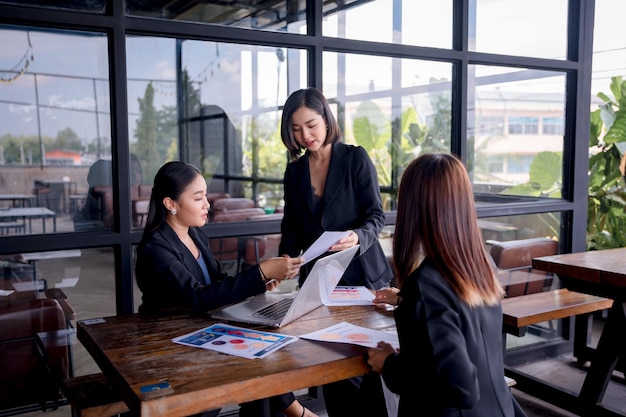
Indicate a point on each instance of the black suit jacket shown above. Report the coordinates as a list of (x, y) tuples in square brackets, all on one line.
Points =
[(451, 352), (351, 201), (169, 277)]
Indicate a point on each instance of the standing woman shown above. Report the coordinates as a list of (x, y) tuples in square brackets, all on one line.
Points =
[(176, 269), (449, 314), (333, 186)]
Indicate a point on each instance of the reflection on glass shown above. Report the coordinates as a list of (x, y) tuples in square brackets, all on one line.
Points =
[(393, 124), (523, 226), (81, 280), (410, 22), (516, 119), (94, 6), (54, 124), (502, 27), (280, 15), (514, 263), (609, 50), (230, 123)]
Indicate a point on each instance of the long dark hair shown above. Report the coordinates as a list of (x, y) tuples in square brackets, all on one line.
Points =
[(313, 99), (170, 181), (436, 219)]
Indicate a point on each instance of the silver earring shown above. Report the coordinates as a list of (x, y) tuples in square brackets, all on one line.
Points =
[(173, 211)]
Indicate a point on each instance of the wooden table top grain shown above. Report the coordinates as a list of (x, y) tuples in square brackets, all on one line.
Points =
[(134, 351), (601, 272)]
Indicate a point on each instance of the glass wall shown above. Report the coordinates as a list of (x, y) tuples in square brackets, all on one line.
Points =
[(56, 125), (95, 96), (517, 124), (496, 21), (90, 115)]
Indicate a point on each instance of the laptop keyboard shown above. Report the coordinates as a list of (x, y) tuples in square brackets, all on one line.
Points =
[(274, 311)]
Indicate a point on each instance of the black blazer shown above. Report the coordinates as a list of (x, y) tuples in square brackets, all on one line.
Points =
[(351, 201), (169, 277), (451, 352)]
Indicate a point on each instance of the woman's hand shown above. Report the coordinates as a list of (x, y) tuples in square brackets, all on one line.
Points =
[(347, 242), (385, 297), (376, 356), (281, 267), (271, 284)]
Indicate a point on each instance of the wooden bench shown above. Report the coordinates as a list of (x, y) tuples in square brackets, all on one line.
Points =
[(525, 310), (92, 396), (531, 309)]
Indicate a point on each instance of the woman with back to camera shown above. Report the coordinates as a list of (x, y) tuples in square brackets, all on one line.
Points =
[(449, 314), (176, 269), (332, 186)]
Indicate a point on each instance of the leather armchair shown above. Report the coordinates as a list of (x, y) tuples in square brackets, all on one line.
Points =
[(27, 378)]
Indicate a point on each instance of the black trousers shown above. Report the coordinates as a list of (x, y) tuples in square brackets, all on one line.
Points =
[(267, 407), (358, 396)]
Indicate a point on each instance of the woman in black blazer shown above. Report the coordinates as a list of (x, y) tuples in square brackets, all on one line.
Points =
[(448, 315), (176, 270), (333, 187)]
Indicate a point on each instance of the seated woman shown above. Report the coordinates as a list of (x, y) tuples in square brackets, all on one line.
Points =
[(176, 269)]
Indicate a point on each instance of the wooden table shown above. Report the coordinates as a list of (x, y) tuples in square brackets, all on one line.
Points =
[(134, 351), (31, 213), (601, 273)]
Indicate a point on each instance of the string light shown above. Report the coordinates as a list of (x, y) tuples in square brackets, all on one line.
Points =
[(20, 68)]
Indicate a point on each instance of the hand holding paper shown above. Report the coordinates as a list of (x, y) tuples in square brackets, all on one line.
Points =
[(322, 244)]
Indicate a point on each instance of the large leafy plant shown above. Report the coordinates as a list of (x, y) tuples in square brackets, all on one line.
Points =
[(606, 220)]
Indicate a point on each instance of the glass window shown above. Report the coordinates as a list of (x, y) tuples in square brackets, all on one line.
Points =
[(552, 126), (523, 125), (280, 15), (496, 164), (94, 6), (231, 122), (82, 280), (411, 22), (54, 125), (518, 164), (393, 125), (522, 226), (489, 125), (508, 228), (499, 20), (609, 48), (531, 162)]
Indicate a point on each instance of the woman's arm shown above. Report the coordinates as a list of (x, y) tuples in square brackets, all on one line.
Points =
[(168, 278), (371, 214)]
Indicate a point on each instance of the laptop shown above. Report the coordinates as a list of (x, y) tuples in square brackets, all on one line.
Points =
[(277, 310)]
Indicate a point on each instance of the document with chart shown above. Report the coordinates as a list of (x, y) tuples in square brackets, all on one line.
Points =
[(237, 341)]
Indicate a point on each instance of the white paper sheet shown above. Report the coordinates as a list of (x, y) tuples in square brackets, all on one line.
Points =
[(345, 332), (344, 295), (321, 245)]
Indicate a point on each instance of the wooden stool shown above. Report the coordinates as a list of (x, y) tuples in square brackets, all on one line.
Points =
[(92, 396)]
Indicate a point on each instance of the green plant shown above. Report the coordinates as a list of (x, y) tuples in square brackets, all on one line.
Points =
[(544, 180), (606, 223)]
